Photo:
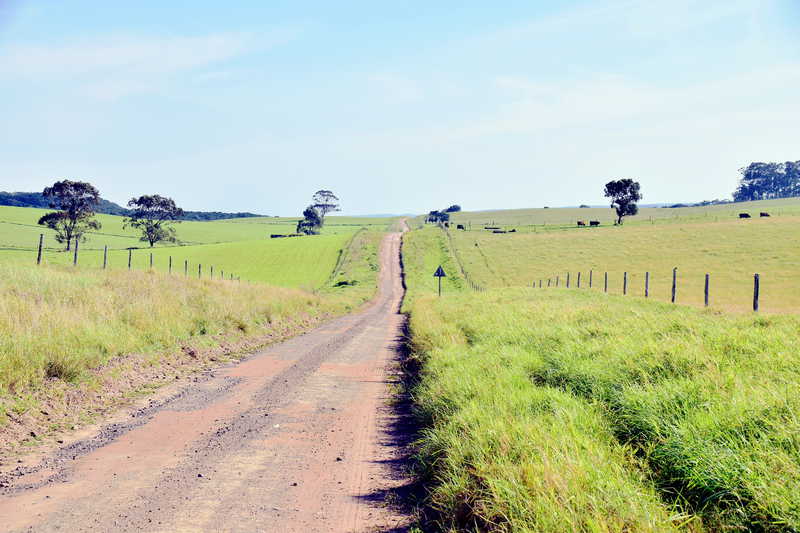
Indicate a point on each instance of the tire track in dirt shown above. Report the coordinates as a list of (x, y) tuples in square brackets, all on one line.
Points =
[(291, 439)]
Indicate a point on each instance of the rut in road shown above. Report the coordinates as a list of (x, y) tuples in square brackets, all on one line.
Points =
[(291, 439)]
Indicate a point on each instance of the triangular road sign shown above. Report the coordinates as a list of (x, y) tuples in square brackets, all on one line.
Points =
[(439, 273)]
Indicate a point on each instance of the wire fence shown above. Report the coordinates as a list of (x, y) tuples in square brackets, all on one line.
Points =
[(75, 249), (571, 281)]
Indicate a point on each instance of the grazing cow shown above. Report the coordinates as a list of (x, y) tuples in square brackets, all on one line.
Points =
[(512, 230), (499, 231), (763, 215), (594, 223), (581, 223), (461, 226), (744, 215)]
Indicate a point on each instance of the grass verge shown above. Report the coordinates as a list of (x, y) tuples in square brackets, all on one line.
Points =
[(572, 411)]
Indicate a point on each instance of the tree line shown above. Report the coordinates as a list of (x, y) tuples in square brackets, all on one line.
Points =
[(76, 207), (765, 181)]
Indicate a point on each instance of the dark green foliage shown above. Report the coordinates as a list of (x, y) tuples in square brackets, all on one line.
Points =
[(765, 181), (76, 202), (311, 223), (455, 208), (624, 194), (437, 216), (37, 199), (154, 215)]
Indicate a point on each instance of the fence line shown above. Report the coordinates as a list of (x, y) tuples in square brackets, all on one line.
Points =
[(554, 281), (472, 285), (75, 256)]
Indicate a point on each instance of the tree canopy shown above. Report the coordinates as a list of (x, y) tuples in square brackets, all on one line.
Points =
[(154, 215), (624, 194), (763, 181), (311, 222), (76, 202), (325, 202)]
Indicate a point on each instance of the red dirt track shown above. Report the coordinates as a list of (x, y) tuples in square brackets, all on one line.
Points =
[(295, 438)]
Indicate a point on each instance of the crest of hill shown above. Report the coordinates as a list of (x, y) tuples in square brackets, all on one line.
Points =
[(36, 199)]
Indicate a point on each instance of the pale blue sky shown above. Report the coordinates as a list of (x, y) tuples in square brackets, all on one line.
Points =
[(400, 107)]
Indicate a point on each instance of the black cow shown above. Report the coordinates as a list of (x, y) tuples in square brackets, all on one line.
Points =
[(594, 223), (461, 226), (581, 223), (763, 215), (744, 215)]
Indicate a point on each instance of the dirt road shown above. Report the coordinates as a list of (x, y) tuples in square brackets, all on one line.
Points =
[(295, 438)]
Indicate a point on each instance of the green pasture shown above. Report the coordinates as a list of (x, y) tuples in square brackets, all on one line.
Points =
[(730, 250), (19, 230), (524, 220)]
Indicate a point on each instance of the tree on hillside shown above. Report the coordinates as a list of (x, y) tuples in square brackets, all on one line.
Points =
[(437, 216), (455, 208), (311, 222), (624, 194), (76, 202), (154, 216), (763, 181), (324, 202)]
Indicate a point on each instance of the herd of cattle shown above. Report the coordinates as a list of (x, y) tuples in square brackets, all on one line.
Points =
[(581, 223)]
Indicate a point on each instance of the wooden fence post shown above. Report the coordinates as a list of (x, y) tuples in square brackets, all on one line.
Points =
[(647, 284), (105, 256), (170, 264), (605, 282), (130, 254), (548, 282), (625, 283), (756, 291), (212, 271), (591, 275), (568, 280), (557, 280), (185, 267), (221, 274), (674, 284), (75, 256), (199, 270), (579, 280), (39, 255), (151, 260), (705, 292)]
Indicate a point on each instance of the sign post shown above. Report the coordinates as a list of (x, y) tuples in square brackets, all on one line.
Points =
[(440, 274)]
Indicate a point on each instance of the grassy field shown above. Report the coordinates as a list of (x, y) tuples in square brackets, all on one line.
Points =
[(241, 247), (574, 411), (524, 220), (19, 230), (59, 325), (730, 250)]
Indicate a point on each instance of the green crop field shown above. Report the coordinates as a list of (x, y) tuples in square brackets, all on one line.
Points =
[(241, 247), (572, 410)]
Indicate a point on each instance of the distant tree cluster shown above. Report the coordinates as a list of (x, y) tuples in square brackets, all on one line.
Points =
[(322, 203), (443, 215), (77, 202), (434, 217), (764, 181)]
